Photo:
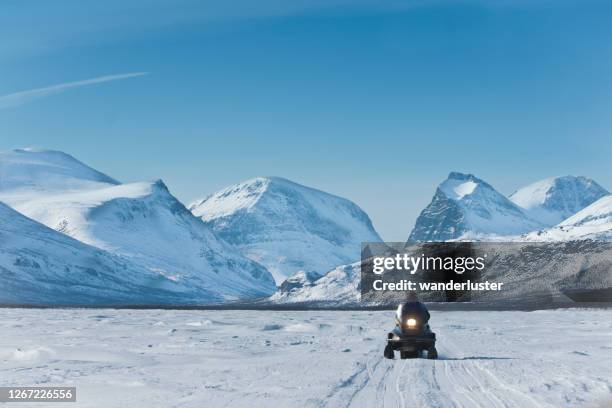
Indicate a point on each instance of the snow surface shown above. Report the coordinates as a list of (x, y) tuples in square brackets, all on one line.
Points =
[(533, 195), (157, 358), (28, 173), (40, 266), (287, 227), (552, 200), (457, 189), (593, 222), (70, 212), (241, 196)]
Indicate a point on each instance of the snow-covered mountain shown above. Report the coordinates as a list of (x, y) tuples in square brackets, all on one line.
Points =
[(593, 222), (466, 207), (40, 266), (340, 286), (287, 227), (555, 199), (144, 223)]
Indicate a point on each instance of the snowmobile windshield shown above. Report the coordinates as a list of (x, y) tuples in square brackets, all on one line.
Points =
[(412, 310)]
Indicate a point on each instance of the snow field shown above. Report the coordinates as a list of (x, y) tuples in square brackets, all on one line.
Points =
[(166, 358)]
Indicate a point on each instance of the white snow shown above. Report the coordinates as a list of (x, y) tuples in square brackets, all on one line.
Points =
[(554, 199), (29, 173), (457, 189), (338, 286), (593, 222), (231, 199), (489, 213), (534, 194), (68, 212), (287, 227), (598, 213), (119, 358), (40, 266)]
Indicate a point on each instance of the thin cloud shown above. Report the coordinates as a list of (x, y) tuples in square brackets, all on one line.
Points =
[(20, 98)]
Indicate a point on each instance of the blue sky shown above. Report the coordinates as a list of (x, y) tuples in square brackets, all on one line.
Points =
[(376, 101)]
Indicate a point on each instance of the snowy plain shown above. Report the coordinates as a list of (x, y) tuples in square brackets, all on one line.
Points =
[(223, 358)]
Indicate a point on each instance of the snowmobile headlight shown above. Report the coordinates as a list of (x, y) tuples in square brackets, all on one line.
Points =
[(411, 322)]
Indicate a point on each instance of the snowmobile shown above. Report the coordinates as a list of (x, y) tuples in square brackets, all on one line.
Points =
[(411, 335)]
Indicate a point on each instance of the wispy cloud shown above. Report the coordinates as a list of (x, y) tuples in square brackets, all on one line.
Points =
[(20, 98)]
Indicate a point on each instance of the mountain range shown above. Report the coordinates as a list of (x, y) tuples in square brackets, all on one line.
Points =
[(142, 223), (465, 207), (70, 234)]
